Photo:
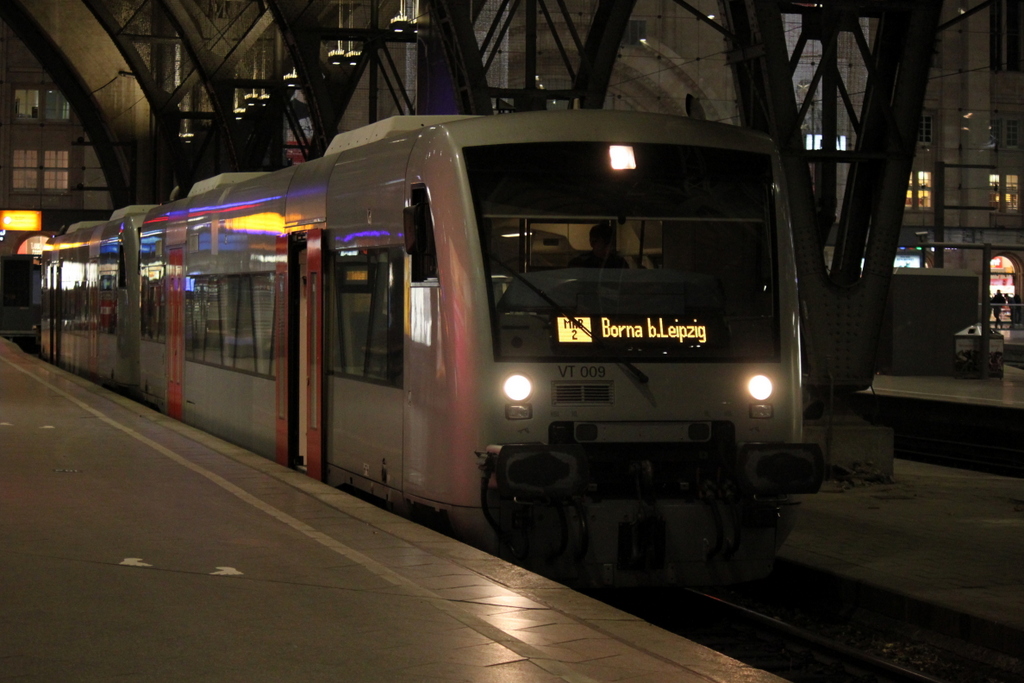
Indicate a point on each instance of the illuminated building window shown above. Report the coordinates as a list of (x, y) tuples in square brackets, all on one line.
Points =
[(919, 191), (924, 189), (26, 104), (1010, 194), (25, 169), (55, 169), (1004, 193)]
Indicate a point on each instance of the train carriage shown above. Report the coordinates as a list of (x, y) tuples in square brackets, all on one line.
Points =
[(90, 322), (569, 338)]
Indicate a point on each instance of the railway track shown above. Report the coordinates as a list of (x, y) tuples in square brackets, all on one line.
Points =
[(762, 641), (791, 652)]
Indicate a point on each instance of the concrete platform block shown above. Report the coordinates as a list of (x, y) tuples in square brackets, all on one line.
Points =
[(853, 444)]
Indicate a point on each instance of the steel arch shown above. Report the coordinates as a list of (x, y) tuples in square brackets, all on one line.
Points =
[(113, 161)]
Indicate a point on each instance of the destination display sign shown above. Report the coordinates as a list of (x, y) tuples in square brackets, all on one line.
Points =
[(658, 329)]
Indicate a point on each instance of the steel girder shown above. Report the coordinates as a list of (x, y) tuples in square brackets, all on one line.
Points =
[(842, 306), (189, 63), (329, 81), (192, 58), (214, 73), (475, 34), (114, 162)]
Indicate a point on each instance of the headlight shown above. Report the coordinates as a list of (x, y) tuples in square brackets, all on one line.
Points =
[(760, 387), (518, 388)]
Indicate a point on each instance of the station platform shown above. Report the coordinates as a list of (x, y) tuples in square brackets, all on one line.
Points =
[(137, 548), (939, 548), (1007, 392)]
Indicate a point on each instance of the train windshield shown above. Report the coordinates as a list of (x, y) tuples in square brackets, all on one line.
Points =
[(643, 251)]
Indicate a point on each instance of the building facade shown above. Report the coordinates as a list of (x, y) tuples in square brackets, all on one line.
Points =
[(969, 167), (46, 163)]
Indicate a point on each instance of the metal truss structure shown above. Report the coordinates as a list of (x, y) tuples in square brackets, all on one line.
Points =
[(586, 52), (842, 301), (232, 85), (239, 84)]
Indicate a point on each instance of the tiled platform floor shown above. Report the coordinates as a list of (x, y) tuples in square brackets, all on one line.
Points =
[(133, 548)]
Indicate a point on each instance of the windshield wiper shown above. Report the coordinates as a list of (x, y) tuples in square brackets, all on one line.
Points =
[(576, 322)]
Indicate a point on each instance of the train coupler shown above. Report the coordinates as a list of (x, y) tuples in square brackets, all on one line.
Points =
[(539, 471), (774, 469)]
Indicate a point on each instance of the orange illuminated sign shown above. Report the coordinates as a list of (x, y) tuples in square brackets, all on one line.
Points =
[(21, 220)]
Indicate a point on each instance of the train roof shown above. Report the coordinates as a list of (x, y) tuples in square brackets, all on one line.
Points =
[(129, 210), (390, 127), (82, 225), (222, 180)]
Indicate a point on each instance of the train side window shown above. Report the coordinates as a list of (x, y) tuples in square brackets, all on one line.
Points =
[(419, 236), (263, 322), (122, 274), (229, 321), (248, 325), (212, 333), (153, 327), (367, 322)]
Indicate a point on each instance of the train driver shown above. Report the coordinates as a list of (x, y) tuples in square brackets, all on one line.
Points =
[(602, 254)]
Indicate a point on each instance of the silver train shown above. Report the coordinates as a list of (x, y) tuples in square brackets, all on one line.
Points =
[(569, 338)]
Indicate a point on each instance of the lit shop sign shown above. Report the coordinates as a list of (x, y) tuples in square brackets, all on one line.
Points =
[(28, 221), (667, 330)]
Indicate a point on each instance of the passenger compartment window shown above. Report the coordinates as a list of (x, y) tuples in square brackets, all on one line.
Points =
[(108, 271), (367, 312), (229, 321), (154, 300)]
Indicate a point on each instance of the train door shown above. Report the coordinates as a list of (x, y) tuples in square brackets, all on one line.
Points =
[(312, 371), (92, 293), (285, 346), (175, 331), (299, 374), (55, 319), (364, 328)]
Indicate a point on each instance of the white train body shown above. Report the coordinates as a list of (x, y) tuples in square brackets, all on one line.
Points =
[(358, 316)]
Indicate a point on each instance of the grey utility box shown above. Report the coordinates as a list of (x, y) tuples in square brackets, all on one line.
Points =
[(927, 307)]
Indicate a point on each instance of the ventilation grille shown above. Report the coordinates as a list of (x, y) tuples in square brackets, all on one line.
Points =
[(582, 393)]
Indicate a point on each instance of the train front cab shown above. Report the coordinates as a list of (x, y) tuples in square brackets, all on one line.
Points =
[(637, 452)]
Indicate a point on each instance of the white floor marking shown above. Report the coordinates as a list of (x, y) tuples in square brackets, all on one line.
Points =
[(226, 571), (134, 562)]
